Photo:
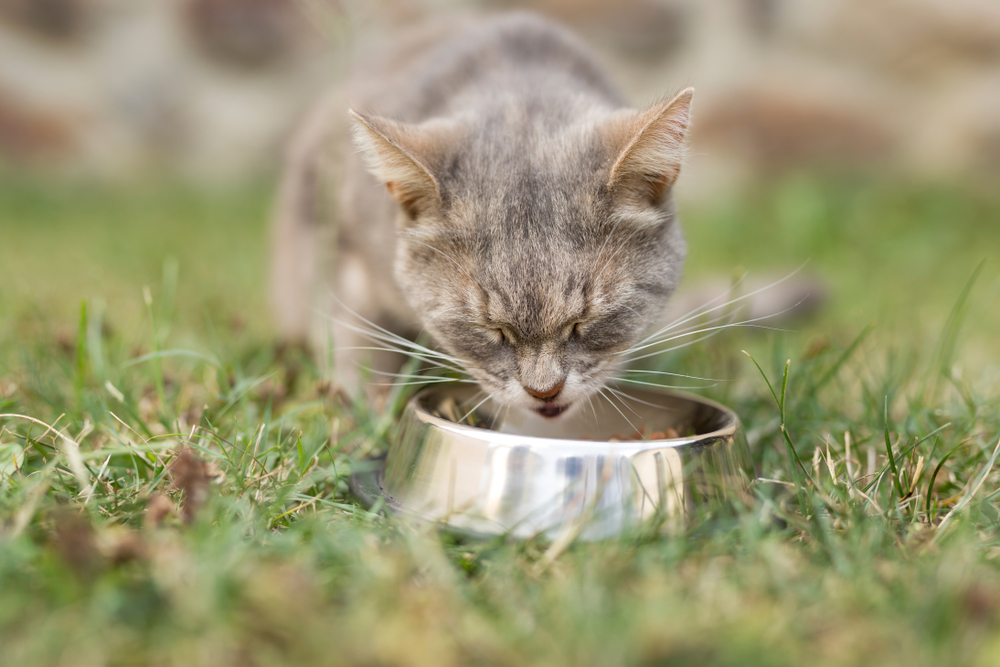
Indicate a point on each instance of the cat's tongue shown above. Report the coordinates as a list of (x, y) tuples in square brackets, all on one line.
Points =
[(551, 410)]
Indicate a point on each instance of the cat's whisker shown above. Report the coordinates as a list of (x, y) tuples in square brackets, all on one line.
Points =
[(476, 407), (417, 352), (727, 319), (750, 321), (384, 335), (430, 363), (437, 363), (393, 339), (678, 375), (413, 376), (419, 383), (607, 397), (712, 332), (727, 316), (506, 414), (693, 328), (667, 386), (416, 379), (475, 396), (622, 394), (750, 324), (677, 347), (697, 332), (417, 376), (397, 344), (701, 311)]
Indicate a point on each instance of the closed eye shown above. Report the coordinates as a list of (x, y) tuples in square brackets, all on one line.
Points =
[(573, 330), (500, 336)]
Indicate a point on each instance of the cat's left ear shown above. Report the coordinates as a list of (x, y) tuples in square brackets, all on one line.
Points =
[(652, 149), (400, 155)]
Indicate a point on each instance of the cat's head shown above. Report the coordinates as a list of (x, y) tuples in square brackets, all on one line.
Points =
[(536, 251)]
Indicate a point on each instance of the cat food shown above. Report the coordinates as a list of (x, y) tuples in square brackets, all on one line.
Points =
[(449, 409), (642, 434)]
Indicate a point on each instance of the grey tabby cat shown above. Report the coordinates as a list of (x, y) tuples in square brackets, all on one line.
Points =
[(513, 207)]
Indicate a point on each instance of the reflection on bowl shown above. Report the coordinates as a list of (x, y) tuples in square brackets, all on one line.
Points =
[(519, 474)]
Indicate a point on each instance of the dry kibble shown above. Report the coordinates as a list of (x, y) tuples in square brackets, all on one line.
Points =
[(641, 434)]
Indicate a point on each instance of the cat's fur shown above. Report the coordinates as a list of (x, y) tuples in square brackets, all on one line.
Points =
[(504, 199)]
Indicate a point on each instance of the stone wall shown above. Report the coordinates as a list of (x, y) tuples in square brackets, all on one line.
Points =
[(211, 88)]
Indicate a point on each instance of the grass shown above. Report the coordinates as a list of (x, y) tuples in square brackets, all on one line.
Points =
[(872, 538)]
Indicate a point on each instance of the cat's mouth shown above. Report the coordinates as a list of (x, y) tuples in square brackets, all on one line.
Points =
[(551, 410)]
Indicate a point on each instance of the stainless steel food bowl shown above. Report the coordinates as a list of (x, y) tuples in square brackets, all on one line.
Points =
[(520, 474)]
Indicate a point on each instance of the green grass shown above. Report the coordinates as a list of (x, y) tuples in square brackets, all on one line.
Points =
[(253, 552)]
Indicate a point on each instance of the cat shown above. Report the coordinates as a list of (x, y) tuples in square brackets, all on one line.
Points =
[(501, 197)]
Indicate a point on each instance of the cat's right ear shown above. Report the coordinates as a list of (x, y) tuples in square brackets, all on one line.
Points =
[(391, 151), (651, 148)]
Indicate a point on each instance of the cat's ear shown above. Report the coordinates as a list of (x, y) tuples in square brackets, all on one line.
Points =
[(392, 152), (652, 148)]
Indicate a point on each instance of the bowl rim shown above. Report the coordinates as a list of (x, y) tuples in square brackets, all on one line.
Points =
[(732, 424)]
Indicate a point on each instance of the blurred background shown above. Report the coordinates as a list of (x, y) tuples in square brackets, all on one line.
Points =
[(210, 88), (862, 135)]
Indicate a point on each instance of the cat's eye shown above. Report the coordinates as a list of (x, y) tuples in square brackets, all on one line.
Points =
[(501, 337), (574, 332)]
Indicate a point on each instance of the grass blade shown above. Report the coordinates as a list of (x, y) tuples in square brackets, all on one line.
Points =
[(967, 498), (892, 460)]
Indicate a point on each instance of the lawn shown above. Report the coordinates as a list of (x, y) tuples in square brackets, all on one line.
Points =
[(173, 482)]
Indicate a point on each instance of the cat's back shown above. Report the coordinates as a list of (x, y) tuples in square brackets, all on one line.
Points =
[(470, 65)]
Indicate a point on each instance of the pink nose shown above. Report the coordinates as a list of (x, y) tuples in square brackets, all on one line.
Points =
[(547, 395)]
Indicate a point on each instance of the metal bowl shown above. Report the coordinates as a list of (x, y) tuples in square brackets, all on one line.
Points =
[(519, 474)]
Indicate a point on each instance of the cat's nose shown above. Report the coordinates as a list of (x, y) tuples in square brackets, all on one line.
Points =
[(549, 394)]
